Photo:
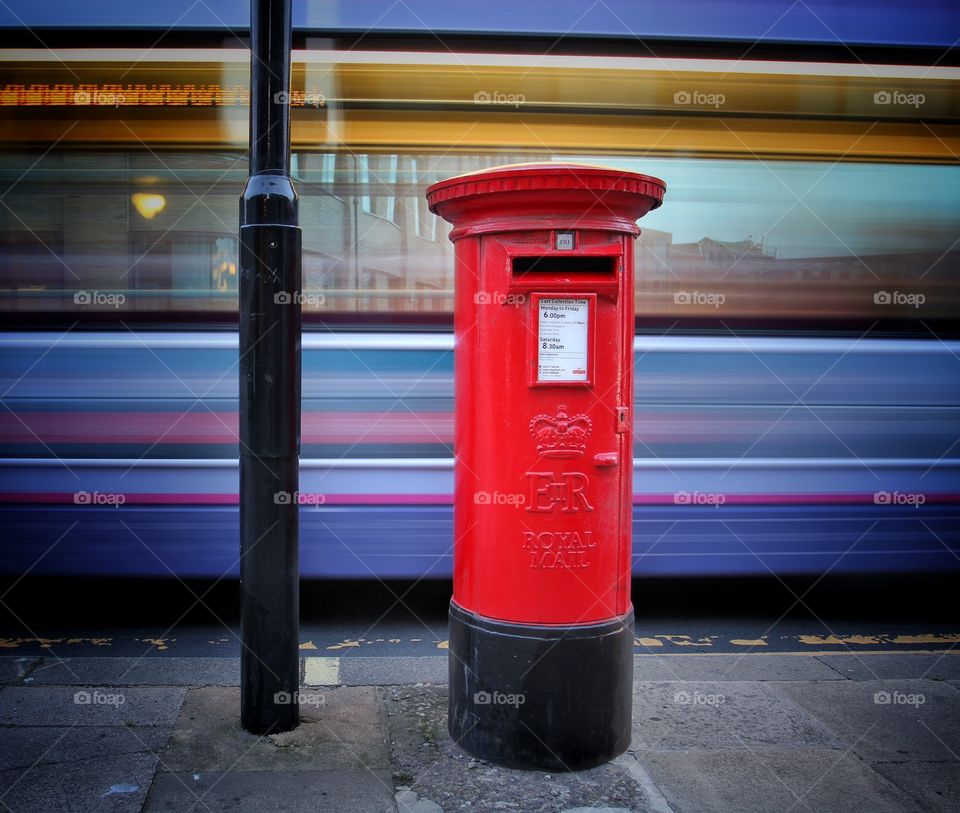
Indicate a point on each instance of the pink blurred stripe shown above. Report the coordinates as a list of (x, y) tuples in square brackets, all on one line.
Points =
[(211, 428), (230, 499), (447, 499)]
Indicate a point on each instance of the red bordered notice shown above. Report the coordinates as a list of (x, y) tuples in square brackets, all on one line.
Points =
[(563, 328)]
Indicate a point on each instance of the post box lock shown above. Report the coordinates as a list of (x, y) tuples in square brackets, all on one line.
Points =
[(623, 419)]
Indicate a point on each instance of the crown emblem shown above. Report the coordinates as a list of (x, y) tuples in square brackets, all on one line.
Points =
[(561, 435)]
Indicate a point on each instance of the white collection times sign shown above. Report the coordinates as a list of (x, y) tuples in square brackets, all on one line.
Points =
[(562, 339)]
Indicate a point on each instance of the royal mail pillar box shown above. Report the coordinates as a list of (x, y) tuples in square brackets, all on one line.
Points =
[(541, 623)]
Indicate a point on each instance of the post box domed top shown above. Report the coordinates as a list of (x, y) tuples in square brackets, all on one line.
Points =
[(519, 197)]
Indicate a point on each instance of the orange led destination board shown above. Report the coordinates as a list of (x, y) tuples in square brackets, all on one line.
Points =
[(141, 95)]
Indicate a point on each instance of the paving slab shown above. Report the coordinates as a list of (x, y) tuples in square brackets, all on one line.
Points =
[(257, 791), (885, 720), (151, 671), (936, 785), (377, 671), (731, 667), (771, 780), (432, 773), (114, 785), (340, 728), (941, 666), (321, 671), (24, 746), (593, 809), (89, 705), (712, 714), (12, 669), (408, 802)]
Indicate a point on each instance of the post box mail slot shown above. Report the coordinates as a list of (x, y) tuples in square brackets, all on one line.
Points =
[(594, 265), (561, 266), (542, 512)]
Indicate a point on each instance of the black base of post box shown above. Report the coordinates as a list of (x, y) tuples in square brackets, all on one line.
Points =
[(557, 698)]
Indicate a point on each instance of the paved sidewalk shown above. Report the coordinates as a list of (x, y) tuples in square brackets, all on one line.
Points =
[(818, 732)]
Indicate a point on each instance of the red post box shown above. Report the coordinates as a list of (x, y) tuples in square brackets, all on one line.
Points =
[(541, 622)]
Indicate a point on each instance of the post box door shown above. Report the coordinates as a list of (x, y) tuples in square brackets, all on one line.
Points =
[(559, 471)]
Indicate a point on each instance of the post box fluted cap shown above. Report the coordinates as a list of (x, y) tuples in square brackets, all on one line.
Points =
[(517, 196)]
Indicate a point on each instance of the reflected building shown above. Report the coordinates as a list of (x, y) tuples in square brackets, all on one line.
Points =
[(160, 228)]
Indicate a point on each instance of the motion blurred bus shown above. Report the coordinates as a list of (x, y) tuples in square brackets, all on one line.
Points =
[(797, 403)]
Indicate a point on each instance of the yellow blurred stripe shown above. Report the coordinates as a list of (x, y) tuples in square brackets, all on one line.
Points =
[(470, 102)]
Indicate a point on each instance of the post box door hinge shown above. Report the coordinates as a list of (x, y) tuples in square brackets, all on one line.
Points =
[(623, 415)]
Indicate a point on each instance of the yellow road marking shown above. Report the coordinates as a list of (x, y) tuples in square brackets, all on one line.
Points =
[(839, 640), (658, 641), (159, 643), (46, 643), (931, 638), (344, 645), (686, 640)]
